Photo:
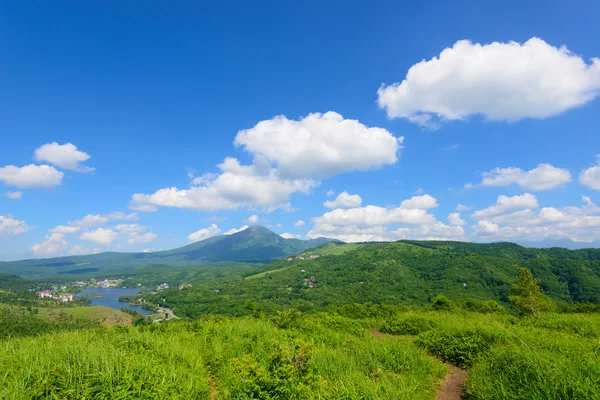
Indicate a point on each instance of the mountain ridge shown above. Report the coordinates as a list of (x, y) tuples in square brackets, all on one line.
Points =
[(255, 244)]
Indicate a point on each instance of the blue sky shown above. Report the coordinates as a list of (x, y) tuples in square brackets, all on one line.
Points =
[(133, 107)]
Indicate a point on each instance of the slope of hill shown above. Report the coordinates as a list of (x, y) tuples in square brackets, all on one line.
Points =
[(14, 282), (255, 244), (405, 272)]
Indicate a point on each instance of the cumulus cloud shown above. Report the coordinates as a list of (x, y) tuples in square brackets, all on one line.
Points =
[(500, 81), (344, 200), (455, 219), (204, 233), (299, 223), (237, 186), (320, 145), (100, 236), (330, 192), (462, 207), (31, 176), (289, 236), (543, 177), (92, 220), (590, 177), (236, 230), (424, 202), (579, 224), (373, 223), (253, 219), (147, 237), (136, 228), (65, 230), (65, 156), (505, 204), (52, 244), (12, 227), (13, 195)]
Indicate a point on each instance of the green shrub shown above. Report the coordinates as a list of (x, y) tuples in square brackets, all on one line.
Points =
[(459, 347), (442, 303), (409, 325), (484, 306), (289, 374), (291, 318)]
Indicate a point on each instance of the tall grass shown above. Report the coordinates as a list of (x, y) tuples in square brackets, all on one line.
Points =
[(235, 358)]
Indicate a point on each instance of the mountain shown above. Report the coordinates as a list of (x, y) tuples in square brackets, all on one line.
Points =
[(14, 282), (404, 272), (255, 244)]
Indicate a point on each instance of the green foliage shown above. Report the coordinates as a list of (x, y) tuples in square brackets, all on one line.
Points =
[(441, 302), (409, 325), (459, 347), (289, 375), (484, 306), (240, 358), (528, 296), (291, 318)]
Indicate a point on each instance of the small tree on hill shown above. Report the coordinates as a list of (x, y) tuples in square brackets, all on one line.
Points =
[(528, 295)]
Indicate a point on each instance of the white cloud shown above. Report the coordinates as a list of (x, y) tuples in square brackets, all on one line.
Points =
[(462, 207), (100, 236), (330, 192), (253, 219), (236, 230), (52, 244), (92, 220), (31, 176), (64, 156), (373, 223), (279, 226), (506, 204), (344, 200), (204, 233), (145, 238), (320, 145), (12, 227), (290, 236), (423, 202), (237, 186), (299, 223), (579, 224), (13, 195), (137, 228), (65, 230), (455, 219), (590, 178), (543, 177), (501, 81)]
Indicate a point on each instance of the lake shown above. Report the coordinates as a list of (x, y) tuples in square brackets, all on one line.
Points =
[(111, 298)]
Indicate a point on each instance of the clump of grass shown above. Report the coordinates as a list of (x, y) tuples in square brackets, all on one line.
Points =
[(459, 347), (407, 325), (517, 372)]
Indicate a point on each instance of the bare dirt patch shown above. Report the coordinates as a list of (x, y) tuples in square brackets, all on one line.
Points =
[(453, 385)]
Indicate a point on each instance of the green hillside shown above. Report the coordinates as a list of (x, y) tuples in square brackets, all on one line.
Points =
[(255, 244), (13, 282), (405, 272)]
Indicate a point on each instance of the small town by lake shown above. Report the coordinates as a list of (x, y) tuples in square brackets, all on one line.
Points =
[(109, 297)]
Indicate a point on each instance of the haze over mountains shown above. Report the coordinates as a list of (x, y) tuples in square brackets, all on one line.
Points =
[(255, 244)]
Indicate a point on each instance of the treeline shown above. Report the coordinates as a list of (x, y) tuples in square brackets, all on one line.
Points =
[(401, 273)]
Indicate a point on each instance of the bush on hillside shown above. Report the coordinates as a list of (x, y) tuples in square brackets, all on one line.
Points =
[(459, 347), (407, 325)]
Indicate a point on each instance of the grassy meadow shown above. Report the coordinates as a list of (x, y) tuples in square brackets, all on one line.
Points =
[(331, 355)]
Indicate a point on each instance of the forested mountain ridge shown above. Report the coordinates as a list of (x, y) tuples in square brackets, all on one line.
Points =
[(255, 244), (404, 272)]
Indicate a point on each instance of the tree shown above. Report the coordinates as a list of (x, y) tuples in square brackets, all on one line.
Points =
[(528, 295)]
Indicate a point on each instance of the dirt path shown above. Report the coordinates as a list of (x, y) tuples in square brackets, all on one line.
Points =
[(453, 385)]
